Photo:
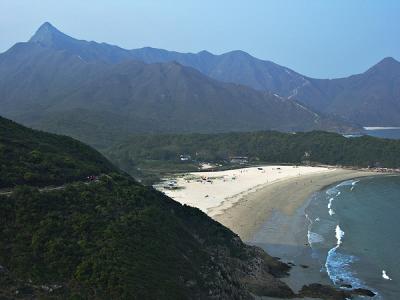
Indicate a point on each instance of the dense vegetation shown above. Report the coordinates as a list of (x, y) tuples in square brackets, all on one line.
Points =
[(266, 147), (111, 238), (117, 239), (41, 159)]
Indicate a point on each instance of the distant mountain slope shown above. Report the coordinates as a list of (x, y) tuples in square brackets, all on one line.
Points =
[(93, 92), (371, 98), (112, 238), (236, 66), (38, 158), (50, 37), (173, 98)]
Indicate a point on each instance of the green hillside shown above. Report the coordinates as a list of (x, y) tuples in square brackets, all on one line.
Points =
[(41, 159), (111, 238), (157, 151)]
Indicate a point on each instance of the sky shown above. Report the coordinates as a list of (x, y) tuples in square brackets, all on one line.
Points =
[(318, 38)]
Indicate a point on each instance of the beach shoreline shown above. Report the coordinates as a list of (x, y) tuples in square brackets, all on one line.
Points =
[(279, 225), (286, 196), (244, 199), (277, 209), (216, 191)]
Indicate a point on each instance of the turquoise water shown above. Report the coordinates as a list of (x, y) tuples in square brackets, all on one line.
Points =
[(385, 133), (354, 234)]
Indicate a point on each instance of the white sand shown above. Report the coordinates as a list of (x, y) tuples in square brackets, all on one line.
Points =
[(228, 187)]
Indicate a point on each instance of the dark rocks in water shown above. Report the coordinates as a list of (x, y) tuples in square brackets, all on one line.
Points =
[(276, 257), (316, 290), (364, 292), (346, 286), (304, 266)]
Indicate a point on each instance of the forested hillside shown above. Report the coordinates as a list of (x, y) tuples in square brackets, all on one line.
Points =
[(267, 147), (111, 238), (41, 159)]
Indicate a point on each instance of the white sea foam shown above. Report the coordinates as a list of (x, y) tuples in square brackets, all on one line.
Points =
[(330, 211), (332, 191), (314, 237), (348, 183), (345, 183), (385, 276), (339, 233), (353, 184), (338, 265), (338, 268), (330, 203), (335, 192)]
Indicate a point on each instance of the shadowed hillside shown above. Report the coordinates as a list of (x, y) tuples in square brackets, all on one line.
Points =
[(112, 237)]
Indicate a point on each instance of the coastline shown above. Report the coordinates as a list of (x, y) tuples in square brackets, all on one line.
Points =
[(215, 192), (285, 196), (278, 223), (271, 215)]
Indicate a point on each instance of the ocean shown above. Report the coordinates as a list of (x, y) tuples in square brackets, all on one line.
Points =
[(385, 133), (354, 234)]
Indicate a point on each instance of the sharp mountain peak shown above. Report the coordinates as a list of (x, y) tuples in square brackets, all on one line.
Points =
[(388, 61), (388, 64), (46, 33)]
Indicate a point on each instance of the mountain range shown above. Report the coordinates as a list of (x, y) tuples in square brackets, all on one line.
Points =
[(370, 99), (100, 93)]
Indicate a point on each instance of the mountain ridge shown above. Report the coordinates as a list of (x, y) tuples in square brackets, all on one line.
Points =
[(330, 96), (79, 88)]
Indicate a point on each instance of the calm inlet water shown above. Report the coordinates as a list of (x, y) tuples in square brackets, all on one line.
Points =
[(385, 133), (354, 233)]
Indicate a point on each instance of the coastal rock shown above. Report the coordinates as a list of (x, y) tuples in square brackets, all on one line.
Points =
[(254, 273), (316, 290), (364, 292), (304, 266)]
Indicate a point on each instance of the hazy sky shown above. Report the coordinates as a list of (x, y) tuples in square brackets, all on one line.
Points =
[(319, 38)]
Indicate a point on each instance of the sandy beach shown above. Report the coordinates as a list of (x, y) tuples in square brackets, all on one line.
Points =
[(244, 199), (215, 192), (271, 198)]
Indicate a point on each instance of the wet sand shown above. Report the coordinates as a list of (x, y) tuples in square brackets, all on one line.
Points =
[(215, 192), (273, 218), (266, 208)]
